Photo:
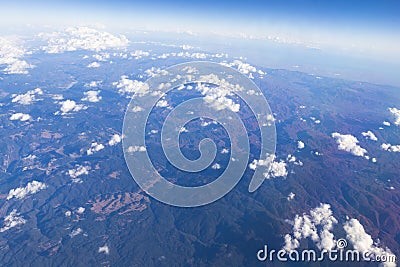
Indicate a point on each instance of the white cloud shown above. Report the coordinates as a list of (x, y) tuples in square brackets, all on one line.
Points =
[(69, 106), (104, 249), (276, 169), (370, 135), (216, 166), (80, 210), (127, 87), (11, 55), (27, 98), (93, 84), (316, 225), (20, 117), (94, 65), (68, 213), (11, 220), (224, 151), (386, 123), (76, 232), (362, 242), (94, 147), (115, 139), (391, 148), (216, 97), (30, 189), (92, 96), (133, 149), (396, 113), (78, 171), (349, 143), (291, 196), (300, 145), (137, 109), (82, 38), (162, 103)]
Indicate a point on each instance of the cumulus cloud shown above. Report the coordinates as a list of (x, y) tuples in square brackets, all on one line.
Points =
[(128, 87), (300, 145), (92, 96), (133, 149), (115, 139), (76, 232), (386, 123), (11, 55), (78, 171), (349, 143), (291, 196), (20, 117), (216, 166), (80, 210), (276, 169), (82, 38), (137, 109), (30, 189), (362, 242), (27, 98), (316, 225), (162, 103), (391, 148), (94, 147), (217, 97), (69, 106), (104, 249), (370, 135), (94, 65), (11, 220), (396, 114)]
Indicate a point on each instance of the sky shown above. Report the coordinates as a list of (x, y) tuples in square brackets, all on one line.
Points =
[(370, 29)]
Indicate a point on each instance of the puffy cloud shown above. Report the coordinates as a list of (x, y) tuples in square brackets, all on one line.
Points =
[(386, 123), (11, 55), (27, 98), (391, 148), (224, 151), (69, 106), (316, 225), (93, 84), (30, 189), (300, 145), (20, 117), (349, 143), (11, 220), (291, 196), (80, 210), (104, 249), (92, 96), (242, 67), (115, 139), (78, 171), (217, 97), (162, 103), (94, 65), (133, 149), (370, 135), (276, 169), (127, 87), (76, 232), (396, 113), (216, 166), (68, 213), (362, 242), (94, 147), (137, 109), (82, 38)]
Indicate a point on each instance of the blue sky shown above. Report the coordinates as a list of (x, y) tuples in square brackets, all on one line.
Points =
[(369, 29)]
